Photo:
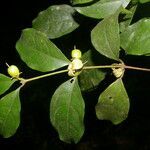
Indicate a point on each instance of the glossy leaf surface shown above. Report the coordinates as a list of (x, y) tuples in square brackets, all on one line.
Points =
[(105, 37), (67, 111), (135, 39), (10, 113), (56, 21), (5, 83), (38, 52), (113, 103), (102, 9)]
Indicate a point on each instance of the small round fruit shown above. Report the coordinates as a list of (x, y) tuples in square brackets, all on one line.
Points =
[(13, 71), (77, 64), (75, 67), (76, 53)]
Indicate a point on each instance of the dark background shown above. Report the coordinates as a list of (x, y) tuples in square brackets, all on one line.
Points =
[(35, 131)]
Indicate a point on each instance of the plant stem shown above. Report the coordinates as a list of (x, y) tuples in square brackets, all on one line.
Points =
[(136, 68), (116, 66), (24, 81), (104, 66)]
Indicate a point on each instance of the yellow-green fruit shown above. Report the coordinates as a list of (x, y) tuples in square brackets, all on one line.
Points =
[(75, 67), (13, 71), (76, 53), (77, 64)]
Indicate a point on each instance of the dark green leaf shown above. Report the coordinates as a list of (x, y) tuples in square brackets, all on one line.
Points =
[(5, 83), (89, 79), (134, 2), (144, 1), (38, 52), (67, 111), (113, 103), (135, 39), (102, 9), (105, 37), (128, 18), (10, 113), (81, 1), (56, 21)]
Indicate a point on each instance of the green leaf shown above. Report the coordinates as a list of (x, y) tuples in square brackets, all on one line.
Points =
[(10, 113), (105, 37), (125, 3), (67, 111), (135, 39), (38, 52), (89, 79), (102, 9), (56, 21), (134, 2), (5, 83), (80, 1), (127, 18), (144, 1), (113, 103)]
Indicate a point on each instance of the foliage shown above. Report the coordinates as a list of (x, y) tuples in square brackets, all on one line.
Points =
[(67, 111), (37, 48), (134, 36)]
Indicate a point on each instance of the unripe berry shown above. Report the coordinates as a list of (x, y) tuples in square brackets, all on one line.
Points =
[(13, 71), (76, 53), (75, 67), (77, 64)]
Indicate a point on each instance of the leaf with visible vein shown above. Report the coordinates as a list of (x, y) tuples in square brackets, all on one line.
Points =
[(56, 21), (38, 52), (113, 103), (135, 40), (5, 83), (105, 37), (10, 113), (67, 111)]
